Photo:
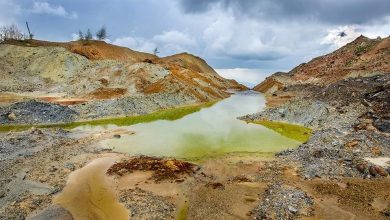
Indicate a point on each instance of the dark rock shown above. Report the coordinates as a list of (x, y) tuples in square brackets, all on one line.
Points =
[(382, 125), (386, 212)]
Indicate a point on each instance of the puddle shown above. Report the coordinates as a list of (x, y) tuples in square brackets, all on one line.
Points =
[(89, 195)]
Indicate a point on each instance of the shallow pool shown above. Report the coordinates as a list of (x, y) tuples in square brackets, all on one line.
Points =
[(211, 131)]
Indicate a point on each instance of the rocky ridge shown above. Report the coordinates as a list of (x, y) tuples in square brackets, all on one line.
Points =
[(362, 57)]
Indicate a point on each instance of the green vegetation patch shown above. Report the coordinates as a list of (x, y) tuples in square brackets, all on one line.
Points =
[(165, 114), (296, 132), (362, 48)]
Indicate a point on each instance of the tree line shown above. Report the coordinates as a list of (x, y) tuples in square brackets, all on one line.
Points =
[(101, 34), (13, 32)]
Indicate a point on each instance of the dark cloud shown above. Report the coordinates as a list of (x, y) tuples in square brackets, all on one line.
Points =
[(328, 11), (265, 56)]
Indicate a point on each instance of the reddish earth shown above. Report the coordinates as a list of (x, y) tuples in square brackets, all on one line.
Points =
[(107, 93), (361, 57), (163, 169), (268, 84), (64, 102), (93, 50), (133, 74)]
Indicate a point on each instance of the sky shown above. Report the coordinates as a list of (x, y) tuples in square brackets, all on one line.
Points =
[(242, 39)]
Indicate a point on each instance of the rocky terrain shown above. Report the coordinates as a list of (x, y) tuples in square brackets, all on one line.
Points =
[(96, 79), (345, 97), (341, 172), (362, 57)]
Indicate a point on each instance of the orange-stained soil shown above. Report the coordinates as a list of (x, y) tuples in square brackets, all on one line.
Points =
[(94, 50), (107, 93)]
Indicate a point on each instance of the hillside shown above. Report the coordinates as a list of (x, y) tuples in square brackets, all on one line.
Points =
[(362, 57), (93, 50), (93, 73), (344, 97)]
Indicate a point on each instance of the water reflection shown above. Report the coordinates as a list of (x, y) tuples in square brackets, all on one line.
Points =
[(211, 131)]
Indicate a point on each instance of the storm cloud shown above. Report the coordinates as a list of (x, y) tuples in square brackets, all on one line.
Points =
[(327, 11), (232, 35)]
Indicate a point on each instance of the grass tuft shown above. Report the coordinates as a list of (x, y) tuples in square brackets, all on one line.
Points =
[(296, 132)]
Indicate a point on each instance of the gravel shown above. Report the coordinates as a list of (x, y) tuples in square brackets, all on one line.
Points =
[(330, 153), (130, 106), (35, 112), (146, 205), (284, 202), (350, 119)]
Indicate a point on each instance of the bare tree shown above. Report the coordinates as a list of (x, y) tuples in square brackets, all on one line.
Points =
[(101, 34), (88, 35), (11, 32)]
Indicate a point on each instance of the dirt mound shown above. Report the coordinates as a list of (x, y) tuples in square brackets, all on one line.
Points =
[(164, 169), (189, 61)]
